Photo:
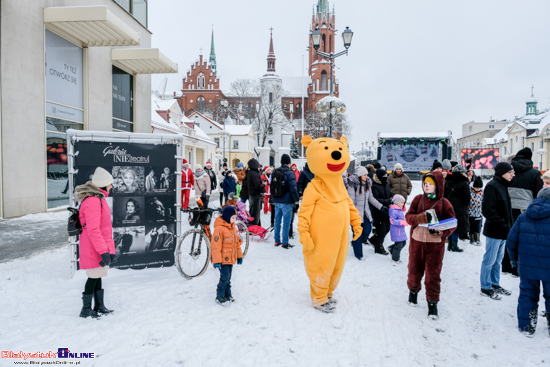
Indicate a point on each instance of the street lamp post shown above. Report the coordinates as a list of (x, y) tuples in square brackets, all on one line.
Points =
[(316, 41), (224, 133)]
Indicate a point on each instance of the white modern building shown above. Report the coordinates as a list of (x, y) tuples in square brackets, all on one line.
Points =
[(82, 65)]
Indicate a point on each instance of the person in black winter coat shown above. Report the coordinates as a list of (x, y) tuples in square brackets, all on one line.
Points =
[(497, 210), (305, 178), (524, 187), (255, 189), (381, 219), (212, 175), (457, 191)]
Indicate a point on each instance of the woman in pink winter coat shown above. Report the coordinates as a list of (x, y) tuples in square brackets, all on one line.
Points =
[(96, 245)]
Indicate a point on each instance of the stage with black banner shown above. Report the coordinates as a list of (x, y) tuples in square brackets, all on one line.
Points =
[(143, 201)]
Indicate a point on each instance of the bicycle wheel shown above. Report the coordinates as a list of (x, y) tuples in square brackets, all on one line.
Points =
[(193, 253), (243, 235)]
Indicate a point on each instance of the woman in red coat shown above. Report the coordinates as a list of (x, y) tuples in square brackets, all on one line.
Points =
[(427, 247), (96, 245)]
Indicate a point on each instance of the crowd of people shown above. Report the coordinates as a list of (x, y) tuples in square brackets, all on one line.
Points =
[(512, 211)]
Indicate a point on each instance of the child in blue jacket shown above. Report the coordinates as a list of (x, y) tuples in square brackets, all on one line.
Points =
[(229, 184), (528, 245), (397, 227)]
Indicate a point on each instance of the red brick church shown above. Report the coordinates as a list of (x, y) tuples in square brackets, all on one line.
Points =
[(201, 86)]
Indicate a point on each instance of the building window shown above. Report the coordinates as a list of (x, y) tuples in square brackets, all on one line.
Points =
[(64, 110), (201, 104), (235, 144), (138, 9), (299, 110), (217, 140), (270, 97), (324, 80), (532, 147), (123, 107), (200, 81), (250, 111), (270, 115)]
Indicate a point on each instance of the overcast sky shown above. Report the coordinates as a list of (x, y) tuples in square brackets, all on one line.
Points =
[(413, 65)]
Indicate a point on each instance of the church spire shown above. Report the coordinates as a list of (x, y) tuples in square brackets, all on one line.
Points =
[(271, 55), (212, 53), (323, 6), (531, 108)]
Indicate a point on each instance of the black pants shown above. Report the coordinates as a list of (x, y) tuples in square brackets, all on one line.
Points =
[(290, 230), (506, 265), (224, 285), (221, 198), (475, 225), (395, 250), (255, 208), (382, 227), (92, 285)]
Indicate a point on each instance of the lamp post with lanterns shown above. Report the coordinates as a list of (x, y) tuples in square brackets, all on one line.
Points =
[(224, 133), (316, 36)]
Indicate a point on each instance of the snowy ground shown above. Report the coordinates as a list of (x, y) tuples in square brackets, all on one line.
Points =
[(162, 319)]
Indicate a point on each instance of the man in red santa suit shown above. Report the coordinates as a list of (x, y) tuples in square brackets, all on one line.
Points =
[(187, 183)]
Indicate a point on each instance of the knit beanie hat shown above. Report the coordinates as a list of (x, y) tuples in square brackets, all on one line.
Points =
[(361, 171), (430, 180), (228, 212), (526, 153), (197, 166), (377, 165), (101, 178), (502, 167), (446, 164), (459, 169), (285, 159), (398, 166), (380, 173), (478, 182), (544, 193), (240, 164), (453, 163), (397, 199), (546, 174), (436, 165)]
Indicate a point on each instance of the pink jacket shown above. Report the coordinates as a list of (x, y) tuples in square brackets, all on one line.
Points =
[(97, 234)]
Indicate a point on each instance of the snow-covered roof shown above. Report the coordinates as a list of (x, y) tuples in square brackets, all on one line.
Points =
[(158, 122), (413, 135), (501, 135), (196, 113), (201, 134), (163, 104), (238, 129)]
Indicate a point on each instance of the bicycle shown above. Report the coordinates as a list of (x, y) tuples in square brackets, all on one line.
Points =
[(193, 252)]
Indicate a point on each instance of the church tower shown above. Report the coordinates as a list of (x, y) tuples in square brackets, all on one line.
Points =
[(531, 104), (319, 67), (212, 54)]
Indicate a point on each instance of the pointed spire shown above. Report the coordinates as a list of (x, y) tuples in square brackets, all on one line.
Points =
[(323, 6), (212, 53), (271, 55)]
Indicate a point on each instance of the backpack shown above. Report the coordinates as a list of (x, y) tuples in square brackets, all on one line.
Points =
[(278, 187), (74, 227)]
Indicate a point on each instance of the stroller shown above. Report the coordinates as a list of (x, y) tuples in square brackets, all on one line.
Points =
[(256, 232)]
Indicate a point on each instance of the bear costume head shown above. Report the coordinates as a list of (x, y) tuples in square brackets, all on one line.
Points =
[(327, 156)]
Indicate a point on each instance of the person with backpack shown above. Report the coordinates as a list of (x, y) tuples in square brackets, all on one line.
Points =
[(284, 195), (96, 245), (360, 193), (255, 189), (457, 191)]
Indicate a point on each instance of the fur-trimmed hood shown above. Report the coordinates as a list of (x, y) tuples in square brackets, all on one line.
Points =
[(84, 191)]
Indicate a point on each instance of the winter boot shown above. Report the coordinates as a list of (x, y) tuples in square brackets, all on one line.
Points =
[(490, 293), (478, 241), (326, 308), (99, 306), (454, 247), (432, 310), (87, 306), (449, 243), (533, 318), (379, 249), (332, 301), (223, 301), (413, 298), (498, 289), (472, 241)]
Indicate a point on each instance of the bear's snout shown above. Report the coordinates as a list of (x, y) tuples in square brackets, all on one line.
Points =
[(336, 155)]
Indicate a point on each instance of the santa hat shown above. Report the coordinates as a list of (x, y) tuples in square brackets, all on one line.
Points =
[(208, 164), (294, 165), (185, 161)]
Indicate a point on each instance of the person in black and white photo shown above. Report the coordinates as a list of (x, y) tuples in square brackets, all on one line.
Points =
[(150, 181), (128, 180), (160, 208), (129, 239), (166, 180), (159, 238)]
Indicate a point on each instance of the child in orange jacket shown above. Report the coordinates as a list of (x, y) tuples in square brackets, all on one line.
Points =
[(226, 251)]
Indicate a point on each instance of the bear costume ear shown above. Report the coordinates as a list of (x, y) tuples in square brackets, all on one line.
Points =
[(344, 140), (306, 140)]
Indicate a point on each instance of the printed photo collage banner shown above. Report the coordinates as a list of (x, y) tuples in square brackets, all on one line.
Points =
[(414, 156), (142, 200)]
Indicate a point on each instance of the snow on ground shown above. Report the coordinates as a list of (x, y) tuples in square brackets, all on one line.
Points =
[(162, 319)]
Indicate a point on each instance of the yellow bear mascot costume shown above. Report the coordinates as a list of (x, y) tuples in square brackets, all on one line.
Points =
[(324, 218)]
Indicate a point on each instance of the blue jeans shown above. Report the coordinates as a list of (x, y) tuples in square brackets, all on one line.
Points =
[(282, 212), (224, 285), (529, 294), (358, 243), (490, 267), (454, 236)]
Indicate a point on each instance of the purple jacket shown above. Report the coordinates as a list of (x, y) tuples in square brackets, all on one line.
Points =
[(397, 224)]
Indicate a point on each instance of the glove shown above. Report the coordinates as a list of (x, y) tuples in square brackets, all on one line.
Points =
[(251, 219), (114, 258), (105, 259), (422, 218), (240, 261), (218, 266), (404, 223), (385, 210), (434, 231), (428, 217), (357, 232), (207, 196), (306, 241), (514, 264)]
